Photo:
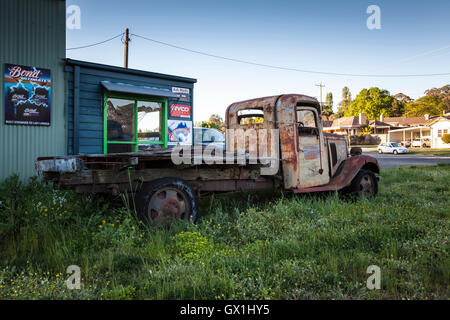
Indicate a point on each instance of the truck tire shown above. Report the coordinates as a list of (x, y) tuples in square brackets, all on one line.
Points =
[(364, 184), (162, 201)]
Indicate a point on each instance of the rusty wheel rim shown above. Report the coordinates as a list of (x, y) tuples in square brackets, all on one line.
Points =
[(366, 186), (167, 205)]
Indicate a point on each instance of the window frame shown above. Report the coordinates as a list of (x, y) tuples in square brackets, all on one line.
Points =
[(307, 108), (135, 142)]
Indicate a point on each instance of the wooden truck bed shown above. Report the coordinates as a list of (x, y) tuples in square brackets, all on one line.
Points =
[(119, 172)]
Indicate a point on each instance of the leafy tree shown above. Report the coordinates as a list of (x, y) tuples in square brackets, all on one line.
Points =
[(446, 138), (345, 103), (215, 121), (372, 102), (398, 104), (431, 105), (327, 108), (443, 94)]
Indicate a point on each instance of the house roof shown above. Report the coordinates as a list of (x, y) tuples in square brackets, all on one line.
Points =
[(379, 124), (347, 122), (405, 121), (353, 122)]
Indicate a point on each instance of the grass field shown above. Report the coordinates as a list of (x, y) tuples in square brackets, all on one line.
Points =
[(252, 246), (430, 152)]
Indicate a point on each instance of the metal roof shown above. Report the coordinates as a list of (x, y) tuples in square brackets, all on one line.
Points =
[(138, 90), (129, 71)]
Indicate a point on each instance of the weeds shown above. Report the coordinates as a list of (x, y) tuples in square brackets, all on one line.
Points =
[(249, 246)]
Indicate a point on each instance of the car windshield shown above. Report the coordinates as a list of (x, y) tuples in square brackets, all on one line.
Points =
[(395, 144), (211, 135)]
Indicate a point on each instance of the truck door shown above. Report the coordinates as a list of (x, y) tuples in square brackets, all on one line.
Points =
[(313, 168)]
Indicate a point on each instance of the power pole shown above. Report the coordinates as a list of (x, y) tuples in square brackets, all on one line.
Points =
[(127, 39), (321, 86)]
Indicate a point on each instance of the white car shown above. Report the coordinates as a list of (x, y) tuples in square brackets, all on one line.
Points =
[(391, 147), (421, 143)]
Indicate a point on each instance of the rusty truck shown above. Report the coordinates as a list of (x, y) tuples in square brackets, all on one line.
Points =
[(307, 160)]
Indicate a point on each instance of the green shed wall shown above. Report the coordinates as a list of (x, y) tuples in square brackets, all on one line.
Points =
[(33, 33)]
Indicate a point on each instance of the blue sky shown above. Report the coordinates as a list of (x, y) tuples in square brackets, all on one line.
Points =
[(329, 36)]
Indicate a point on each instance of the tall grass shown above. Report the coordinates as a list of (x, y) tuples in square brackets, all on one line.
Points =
[(251, 246)]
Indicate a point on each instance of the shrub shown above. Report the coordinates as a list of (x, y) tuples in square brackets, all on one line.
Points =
[(446, 138)]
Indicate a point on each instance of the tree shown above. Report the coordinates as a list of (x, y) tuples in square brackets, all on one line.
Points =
[(345, 103), (327, 109), (215, 121), (372, 102), (446, 138), (398, 104), (431, 105), (443, 94)]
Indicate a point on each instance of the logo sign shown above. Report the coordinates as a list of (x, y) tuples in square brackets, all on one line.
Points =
[(27, 95), (180, 111), (178, 90)]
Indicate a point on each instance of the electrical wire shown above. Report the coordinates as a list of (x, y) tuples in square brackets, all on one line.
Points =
[(291, 69), (96, 44)]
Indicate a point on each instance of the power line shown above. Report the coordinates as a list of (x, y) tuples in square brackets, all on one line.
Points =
[(95, 44), (291, 69), (267, 65)]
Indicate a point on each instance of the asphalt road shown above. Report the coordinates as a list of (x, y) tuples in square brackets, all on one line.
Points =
[(387, 161)]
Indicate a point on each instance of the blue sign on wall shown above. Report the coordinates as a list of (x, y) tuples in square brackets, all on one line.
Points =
[(27, 95)]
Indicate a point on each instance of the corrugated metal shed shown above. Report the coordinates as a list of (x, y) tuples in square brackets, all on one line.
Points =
[(85, 94), (32, 33)]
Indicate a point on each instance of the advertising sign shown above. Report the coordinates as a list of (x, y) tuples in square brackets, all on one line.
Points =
[(180, 90), (179, 131), (27, 95), (180, 111), (182, 93)]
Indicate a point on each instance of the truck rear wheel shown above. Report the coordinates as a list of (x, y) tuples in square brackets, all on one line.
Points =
[(163, 201), (365, 184)]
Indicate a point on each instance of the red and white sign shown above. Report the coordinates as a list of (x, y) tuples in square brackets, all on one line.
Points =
[(180, 111), (180, 90)]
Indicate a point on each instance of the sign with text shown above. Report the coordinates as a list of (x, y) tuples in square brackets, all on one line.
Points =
[(180, 111), (179, 131), (27, 95), (182, 93)]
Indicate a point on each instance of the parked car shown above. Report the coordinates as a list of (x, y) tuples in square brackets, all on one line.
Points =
[(208, 136), (421, 143), (392, 147), (405, 143)]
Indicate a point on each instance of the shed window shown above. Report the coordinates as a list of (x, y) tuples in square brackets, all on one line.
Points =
[(134, 124)]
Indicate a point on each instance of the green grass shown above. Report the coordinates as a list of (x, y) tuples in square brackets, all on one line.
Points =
[(249, 246), (430, 152)]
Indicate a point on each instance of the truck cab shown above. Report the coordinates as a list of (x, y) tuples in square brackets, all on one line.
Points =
[(311, 160)]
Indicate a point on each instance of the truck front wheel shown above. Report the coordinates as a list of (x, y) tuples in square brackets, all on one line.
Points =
[(162, 201), (364, 184)]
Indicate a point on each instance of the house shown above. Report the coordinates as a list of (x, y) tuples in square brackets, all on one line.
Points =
[(396, 129), (439, 127), (346, 125)]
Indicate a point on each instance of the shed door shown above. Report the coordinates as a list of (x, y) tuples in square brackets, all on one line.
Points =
[(310, 147)]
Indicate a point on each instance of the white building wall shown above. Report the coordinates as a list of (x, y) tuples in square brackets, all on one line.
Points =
[(436, 142)]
